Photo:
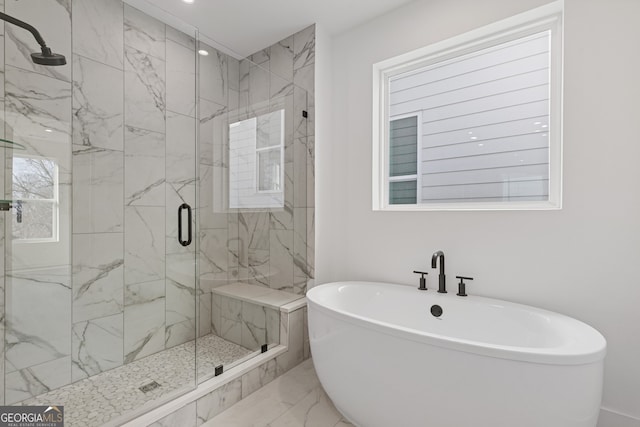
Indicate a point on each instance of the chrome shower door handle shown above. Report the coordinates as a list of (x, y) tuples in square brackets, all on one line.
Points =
[(189, 226)]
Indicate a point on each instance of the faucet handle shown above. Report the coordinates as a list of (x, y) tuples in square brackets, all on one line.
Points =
[(423, 281), (461, 286)]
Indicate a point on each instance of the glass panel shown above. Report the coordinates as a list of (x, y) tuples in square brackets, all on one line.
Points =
[(34, 220), (402, 192), (269, 170)]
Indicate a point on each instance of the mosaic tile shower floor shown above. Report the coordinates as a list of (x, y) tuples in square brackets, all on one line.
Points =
[(106, 396)]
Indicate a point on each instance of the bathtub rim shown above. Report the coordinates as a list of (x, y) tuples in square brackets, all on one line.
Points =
[(543, 355)]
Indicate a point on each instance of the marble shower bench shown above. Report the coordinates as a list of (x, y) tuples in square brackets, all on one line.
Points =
[(213, 396)]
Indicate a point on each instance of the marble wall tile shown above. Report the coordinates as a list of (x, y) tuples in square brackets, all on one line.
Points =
[(258, 267), (311, 237), (204, 314), (230, 319), (144, 320), (261, 57), (144, 258), (98, 190), (144, 168), (213, 131), (311, 171), (181, 302), (258, 377), (301, 266), (144, 33), (180, 333), (214, 75), (144, 90), (93, 24), (305, 77), (214, 255), (279, 87), (281, 260), (97, 275), (33, 103), (184, 417), (181, 149), (281, 58), (186, 40), (295, 350), (53, 19), (306, 347), (96, 346), (216, 314), (38, 316), (259, 80), (304, 47), (217, 401), (300, 104), (254, 322), (233, 66), (98, 111), (300, 173), (37, 379), (181, 79)]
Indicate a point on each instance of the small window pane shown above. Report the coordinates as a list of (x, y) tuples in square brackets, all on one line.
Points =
[(33, 178), (403, 146), (33, 220), (402, 193)]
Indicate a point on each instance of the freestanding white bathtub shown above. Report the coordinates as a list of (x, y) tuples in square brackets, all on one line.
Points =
[(386, 361)]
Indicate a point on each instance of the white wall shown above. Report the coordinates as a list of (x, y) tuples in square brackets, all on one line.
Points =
[(583, 260)]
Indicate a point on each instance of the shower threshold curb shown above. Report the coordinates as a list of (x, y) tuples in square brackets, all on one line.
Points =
[(149, 414)]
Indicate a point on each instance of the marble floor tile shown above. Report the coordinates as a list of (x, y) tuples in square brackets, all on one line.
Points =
[(101, 398), (294, 399)]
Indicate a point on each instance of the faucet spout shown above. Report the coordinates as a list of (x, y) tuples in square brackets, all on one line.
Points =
[(442, 281)]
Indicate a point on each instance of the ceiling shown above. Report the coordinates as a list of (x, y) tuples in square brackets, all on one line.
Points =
[(246, 26)]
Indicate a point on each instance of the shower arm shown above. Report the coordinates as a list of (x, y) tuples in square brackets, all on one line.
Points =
[(30, 28)]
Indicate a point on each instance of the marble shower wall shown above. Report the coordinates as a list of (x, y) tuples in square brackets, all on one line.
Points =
[(122, 112), (265, 247)]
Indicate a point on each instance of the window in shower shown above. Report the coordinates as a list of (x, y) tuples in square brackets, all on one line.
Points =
[(35, 199), (256, 158)]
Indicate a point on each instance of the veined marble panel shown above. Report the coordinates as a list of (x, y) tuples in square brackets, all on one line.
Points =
[(259, 79), (295, 351), (217, 401), (34, 103), (311, 171), (181, 149), (304, 77), (300, 172), (144, 165), (230, 319), (38, 379), (304, 47), (254, 229), (258, 267), (211, 209), (281, 260), (180, 333), (281, 58), (53, 19), (186, 40), (98, 111), (144, 243), (94, 36), (181, 302), (233, 73), (258, 378), (259, 325), (300, 104), (213, 132), (98, 190), (145, 91), (184, 417), (97, 346), (97, 275), (279, 87), (261, 57), (144, 33), (204, 314), (214, 253), (213, 76), (38, 316), (181, 79), (144, 320), (301, 267)]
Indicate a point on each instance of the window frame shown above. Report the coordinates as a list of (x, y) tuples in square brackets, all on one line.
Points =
[(546, 18), (418, 175), (54, 202)]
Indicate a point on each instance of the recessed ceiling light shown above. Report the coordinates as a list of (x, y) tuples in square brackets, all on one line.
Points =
[(188, 1), (48, 130), (203, 52)]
